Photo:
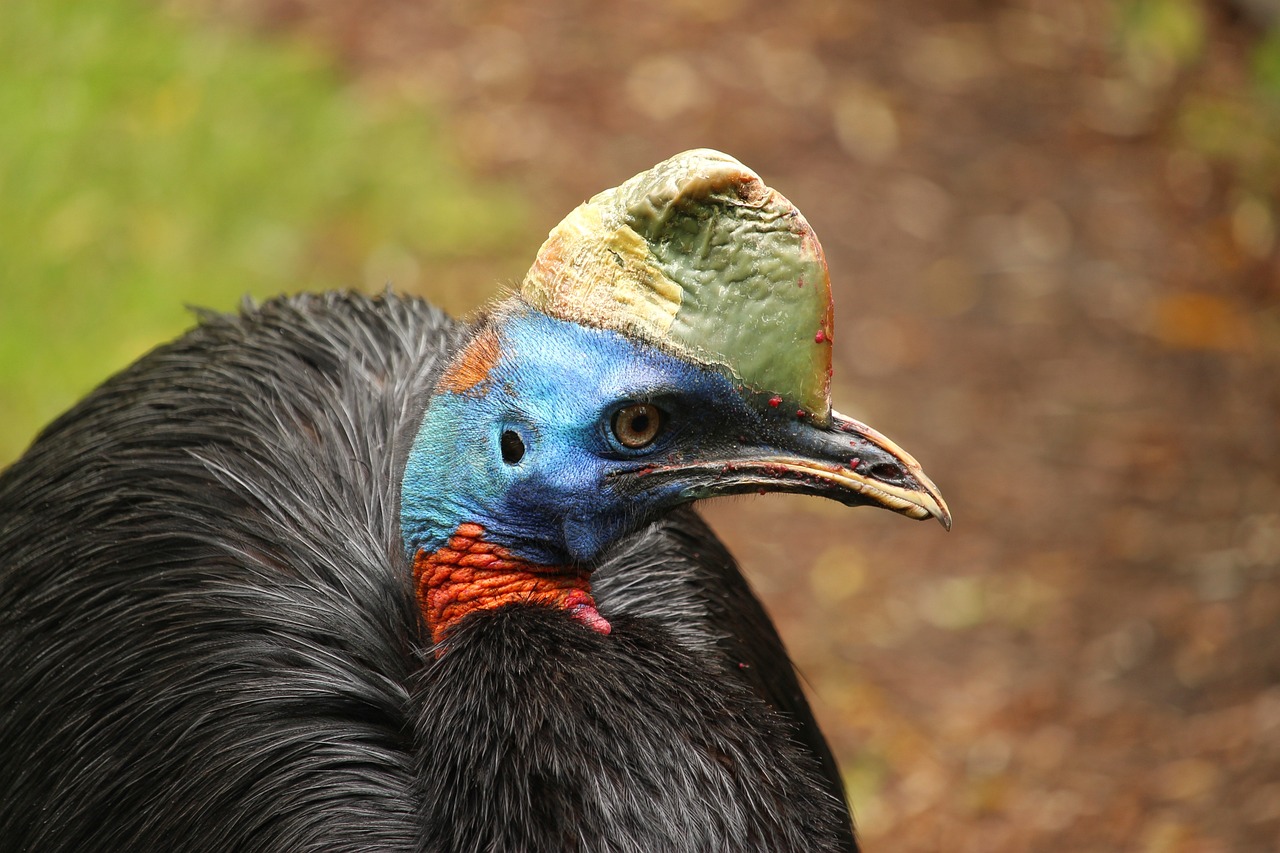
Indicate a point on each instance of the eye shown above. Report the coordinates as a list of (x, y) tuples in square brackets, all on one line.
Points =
[(512, 447), (637, 425)]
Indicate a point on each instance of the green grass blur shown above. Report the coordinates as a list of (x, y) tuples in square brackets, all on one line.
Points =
[(149, 163)]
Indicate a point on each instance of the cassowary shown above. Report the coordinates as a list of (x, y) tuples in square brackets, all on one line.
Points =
[(342, 574)]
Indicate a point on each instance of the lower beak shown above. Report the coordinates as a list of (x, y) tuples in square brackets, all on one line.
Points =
[(847, 461)]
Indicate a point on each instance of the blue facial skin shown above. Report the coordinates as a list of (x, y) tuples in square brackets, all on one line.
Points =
[(576, 489)]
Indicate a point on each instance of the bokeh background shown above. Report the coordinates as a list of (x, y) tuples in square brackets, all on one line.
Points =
[(1052, 226)]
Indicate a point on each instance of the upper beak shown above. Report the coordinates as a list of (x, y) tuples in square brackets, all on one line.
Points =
[(848, 461)]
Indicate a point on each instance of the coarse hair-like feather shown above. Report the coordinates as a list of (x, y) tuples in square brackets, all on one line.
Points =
[(209, 640)]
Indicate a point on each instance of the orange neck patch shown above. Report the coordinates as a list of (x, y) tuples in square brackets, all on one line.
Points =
[(470, 574)]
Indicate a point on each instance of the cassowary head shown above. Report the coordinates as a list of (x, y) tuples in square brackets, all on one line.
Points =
[(671, 342)]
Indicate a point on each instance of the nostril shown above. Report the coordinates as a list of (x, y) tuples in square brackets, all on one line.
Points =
[(887, 472)]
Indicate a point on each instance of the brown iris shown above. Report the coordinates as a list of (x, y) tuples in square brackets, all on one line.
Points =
[(637, 425)]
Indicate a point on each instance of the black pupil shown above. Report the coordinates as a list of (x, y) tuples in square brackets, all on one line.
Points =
[(512, 447), (640, 423)]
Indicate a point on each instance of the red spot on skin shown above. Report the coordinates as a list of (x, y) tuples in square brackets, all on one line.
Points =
[(854, 463), (799, 413), (775, 401), (582, 607), (820, 338), (471, 574), (800, 282), (764, 491)]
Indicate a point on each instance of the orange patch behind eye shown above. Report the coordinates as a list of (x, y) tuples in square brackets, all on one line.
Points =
[(471, 368)]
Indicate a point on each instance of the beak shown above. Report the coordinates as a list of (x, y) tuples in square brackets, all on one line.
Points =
[(847, 461)]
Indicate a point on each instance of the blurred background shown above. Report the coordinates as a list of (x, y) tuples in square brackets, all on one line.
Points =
[(1052, 228)]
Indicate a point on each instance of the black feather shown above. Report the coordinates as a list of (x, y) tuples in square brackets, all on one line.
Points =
[(209, 641)]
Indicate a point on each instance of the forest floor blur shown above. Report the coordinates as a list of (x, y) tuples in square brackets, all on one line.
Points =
[(1052, 233)]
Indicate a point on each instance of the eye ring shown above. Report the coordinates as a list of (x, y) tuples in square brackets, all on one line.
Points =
[(636, 425)]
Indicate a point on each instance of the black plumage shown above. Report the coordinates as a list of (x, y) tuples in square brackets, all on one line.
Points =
[(209, 639)]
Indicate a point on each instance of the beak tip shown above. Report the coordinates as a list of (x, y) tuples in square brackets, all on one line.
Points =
[(931, 505), (924, 506), (936, 509), (939, 509), (932, 500)]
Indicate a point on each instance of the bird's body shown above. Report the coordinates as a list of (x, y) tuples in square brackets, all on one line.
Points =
[(340, 573), (208, 632)]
